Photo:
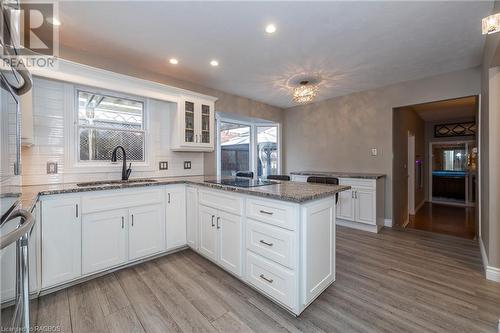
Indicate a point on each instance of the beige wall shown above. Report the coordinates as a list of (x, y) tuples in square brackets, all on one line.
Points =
[(226, 102), (405, 121), (337, 134), (489, 221)]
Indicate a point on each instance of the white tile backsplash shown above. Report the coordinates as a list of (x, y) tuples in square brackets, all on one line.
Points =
[(49, 100)]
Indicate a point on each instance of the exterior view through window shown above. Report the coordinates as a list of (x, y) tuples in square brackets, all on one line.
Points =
[(234, 148), (105, 122), (267, 151)]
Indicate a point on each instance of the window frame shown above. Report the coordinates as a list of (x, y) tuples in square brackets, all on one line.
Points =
[(73, 144), (253, 124)]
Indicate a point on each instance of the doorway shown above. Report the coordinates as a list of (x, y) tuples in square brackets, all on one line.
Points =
[(435, 166)]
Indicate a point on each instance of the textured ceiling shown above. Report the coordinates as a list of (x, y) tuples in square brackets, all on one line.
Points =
[(353, 46), (459, 108)]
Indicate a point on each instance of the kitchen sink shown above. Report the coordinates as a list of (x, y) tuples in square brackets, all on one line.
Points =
[(115, 182)]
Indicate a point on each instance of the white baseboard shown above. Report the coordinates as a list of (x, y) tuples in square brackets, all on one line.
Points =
[(388, 223), (491, 273), (359, 226)]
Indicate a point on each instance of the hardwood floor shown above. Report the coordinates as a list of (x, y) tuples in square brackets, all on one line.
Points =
[(395, 281), (445, 219)]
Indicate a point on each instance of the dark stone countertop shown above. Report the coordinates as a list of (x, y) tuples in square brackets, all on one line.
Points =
[(296, 192), (360, 175)]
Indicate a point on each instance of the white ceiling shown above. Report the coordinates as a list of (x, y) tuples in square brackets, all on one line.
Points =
[(459, 108), (353, 46)]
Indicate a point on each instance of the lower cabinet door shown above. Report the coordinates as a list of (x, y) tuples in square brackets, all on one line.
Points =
[(146, 231), (345, 206), (208, 232), (104, 240), (229, 227), (365, 206), (192, 217), (61, 245), (176, 216)]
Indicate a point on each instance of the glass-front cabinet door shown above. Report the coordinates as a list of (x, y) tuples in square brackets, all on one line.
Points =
[(205, 123), (189, 120)]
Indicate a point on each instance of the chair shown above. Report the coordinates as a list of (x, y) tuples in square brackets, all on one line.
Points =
[(325, 180), (278, 177), (246, 174)]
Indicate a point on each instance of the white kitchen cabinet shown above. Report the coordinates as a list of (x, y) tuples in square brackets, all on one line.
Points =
[(146, 231), (192, 217), (61, 240), (229, 227), (220, 237), (176, 216), (104, 240), (365, 206), (194, 125), (345, 205), (208, 232)]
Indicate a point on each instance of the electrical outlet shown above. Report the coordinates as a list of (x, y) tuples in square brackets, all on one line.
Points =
[(374, 152), (163, 165), (51, 168), (187, 165)]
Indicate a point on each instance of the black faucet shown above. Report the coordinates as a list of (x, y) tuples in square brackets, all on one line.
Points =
[(125, 172)]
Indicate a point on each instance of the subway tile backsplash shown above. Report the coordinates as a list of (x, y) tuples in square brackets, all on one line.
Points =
[(50, 108)]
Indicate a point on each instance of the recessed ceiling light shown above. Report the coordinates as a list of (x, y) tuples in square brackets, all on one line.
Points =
[(270, 28), (214, 63), (173, 61), (54, 21)]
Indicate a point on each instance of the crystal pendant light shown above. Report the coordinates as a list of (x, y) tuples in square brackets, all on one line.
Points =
[(305, 92), (491, 24)]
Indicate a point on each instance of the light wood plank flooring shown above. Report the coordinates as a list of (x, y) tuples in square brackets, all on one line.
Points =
[(395, 281)]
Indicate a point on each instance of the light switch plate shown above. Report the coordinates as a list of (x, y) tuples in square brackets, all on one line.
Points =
[(374, 151), (51, 168), (163, 165), (187, 165)]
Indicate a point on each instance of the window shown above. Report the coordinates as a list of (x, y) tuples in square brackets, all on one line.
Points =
[(105, 122), (248, 145)]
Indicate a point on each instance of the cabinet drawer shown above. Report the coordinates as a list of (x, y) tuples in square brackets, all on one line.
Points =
[(274, 280), (272, 212), (219, 200), (118, 199), (359, 183), (271, 242)]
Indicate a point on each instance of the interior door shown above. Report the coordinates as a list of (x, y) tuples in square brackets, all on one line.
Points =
[(208, 232), (176, 216), (229, 227), (365, 206), (104, 240), (345, 206), (146, 231)]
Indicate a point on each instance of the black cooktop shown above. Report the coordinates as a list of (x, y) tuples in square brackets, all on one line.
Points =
[(242, 182)]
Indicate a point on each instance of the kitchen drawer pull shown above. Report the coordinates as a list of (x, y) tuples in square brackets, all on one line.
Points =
[(266, 243), (266, 212), (123, 222), (132, 219), (76, 210), (213, 224), (266, 279), (218, 224), (169, 198)]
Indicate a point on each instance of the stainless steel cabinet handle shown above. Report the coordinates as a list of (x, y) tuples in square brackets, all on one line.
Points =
[(266, 279), (132, 219), (213, 224), (356, 194), (169, 198), (218, 224), (266, 212), (76, 210), (266, 243), (123, 222)]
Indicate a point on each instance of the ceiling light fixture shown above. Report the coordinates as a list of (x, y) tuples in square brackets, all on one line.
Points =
[(305, 92), (491, 24), (270, 28), (173, 61), (214, 63), (54, 21)]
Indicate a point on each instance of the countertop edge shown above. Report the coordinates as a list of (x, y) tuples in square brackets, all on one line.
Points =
[(358, 175)]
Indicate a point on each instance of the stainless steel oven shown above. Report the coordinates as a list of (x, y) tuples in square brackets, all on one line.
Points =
[(16, 225)]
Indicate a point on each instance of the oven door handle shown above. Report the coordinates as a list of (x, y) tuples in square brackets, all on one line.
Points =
[(27, 221)]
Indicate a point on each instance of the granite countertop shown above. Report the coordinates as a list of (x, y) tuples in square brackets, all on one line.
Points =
[(361, 175), (296, 192)]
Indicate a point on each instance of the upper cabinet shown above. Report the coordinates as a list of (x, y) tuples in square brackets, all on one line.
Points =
[(193, 125)]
